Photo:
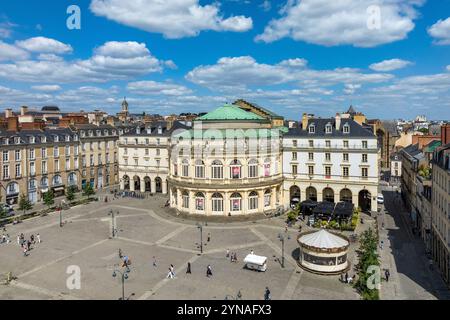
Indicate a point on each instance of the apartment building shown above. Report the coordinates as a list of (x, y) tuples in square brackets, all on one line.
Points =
[(333, 159)]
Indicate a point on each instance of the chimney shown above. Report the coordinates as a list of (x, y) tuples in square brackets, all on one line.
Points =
[(23, 110), (338, 121), (13, 124), (8, 113), (305, 121), (445, 134)]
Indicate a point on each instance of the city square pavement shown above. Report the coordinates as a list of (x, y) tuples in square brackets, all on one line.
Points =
[(147, 230)]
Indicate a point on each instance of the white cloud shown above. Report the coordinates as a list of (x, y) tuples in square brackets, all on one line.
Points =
[(49, 57), (266, 5), (47, 88), (448, 68), (441, 32), (158, 88), (111, 61), (11, 52), (343, 22), (239, 73), (170, 64), (351, 88), (44, 45), (6, 29), (174, 19), (389, 65)]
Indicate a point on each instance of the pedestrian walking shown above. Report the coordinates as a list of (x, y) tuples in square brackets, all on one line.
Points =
[(209, 271), (38, 236), (387, 274), (381, 244), (267, 294), (32, 239), (188, 268), (18, 239), (235, 257), (25, 251), (172, 269), (170, 274), (228, 254), (209, 237), (154, 262), (346, 277)]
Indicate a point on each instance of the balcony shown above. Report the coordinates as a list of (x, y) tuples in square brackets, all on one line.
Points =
[(208, 183)]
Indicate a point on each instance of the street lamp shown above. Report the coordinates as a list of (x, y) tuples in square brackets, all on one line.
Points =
[(200, 227), (113, 219), (282, 239), (60, 215), (124, 276)]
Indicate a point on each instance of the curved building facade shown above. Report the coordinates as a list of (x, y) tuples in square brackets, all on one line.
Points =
[(228, 164)]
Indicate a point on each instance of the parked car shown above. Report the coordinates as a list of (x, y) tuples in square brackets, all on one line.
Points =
[(380, 199)]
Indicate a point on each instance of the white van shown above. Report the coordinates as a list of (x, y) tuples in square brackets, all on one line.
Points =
[(254, 262)]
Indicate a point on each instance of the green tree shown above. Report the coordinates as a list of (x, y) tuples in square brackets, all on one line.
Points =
[(3, 211), (88, 191), (24, 203), (70, 194), (368, 257), (49, 198)]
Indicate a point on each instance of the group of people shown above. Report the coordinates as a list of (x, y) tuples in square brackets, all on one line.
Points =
[(5, 237), (25, 244), (133, 194), (232, 256)]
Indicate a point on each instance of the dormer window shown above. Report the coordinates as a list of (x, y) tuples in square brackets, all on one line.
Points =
[(91, 133), (99, 133), (32, 139), (83, 134), (328, 128), (6, 141), (67, 138), (120, 131), (75, 138), (138, 130), (312, 128), (17, 140), (346, 128), (149, 130), (159, 130), (44, 139), (106, 133), (56, 138), (114, 132)]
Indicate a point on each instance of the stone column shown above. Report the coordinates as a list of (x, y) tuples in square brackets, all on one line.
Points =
[(142, 185), (132, 184), (164, 186), (122, 184), (153, 185), (226, 204), (244, 204)]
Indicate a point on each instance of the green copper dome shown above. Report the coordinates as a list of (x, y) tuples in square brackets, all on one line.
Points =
[(229, 112)]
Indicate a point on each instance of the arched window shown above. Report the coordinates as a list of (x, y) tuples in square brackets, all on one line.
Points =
[(236, 202), (32, 184), (253, 168), (44, 182), (199, 201), (235, 169), (185, 196), (217, 202), (185, 168), (57, 180), (199, 169), (72, 179), (12, 188), (217, 170), (267, 198), (253, 200)]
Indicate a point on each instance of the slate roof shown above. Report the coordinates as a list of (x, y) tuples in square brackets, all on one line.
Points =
[(356, 130), (154, 129), (25, 135)]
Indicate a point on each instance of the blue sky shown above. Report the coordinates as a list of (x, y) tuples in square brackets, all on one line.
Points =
[(389, 58)]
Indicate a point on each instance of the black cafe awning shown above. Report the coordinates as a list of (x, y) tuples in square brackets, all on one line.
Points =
[(344, 209), (324, 208)]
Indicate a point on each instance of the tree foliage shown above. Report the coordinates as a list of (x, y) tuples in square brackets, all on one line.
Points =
[(49, 198), (24, 203)]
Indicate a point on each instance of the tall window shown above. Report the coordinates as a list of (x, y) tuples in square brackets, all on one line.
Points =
[(364, 144), (311, 170), (200, 201), (345, 143), (185, 168), (32, 154), (217, 170), (199, 169), (17, 155), (253, 200), (67, 150), (345, 171), (327, 156), (327, 172), (32, 168), (328, 143), (311, 143), (185, 197), (18, 170), (5, 156), (56, 152), (294, 169), (345, 157), (235, 202), (44, 167), (294, 156), (6, 172), (217, 202), (253, 168), (310, 156), (56, 165), (364, 157), (235, 169), (364, 172), (267, 198)]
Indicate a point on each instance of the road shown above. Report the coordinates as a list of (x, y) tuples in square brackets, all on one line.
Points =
[(405, 257)]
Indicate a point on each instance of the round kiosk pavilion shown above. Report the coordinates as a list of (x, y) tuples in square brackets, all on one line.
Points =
[(323, 252)]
